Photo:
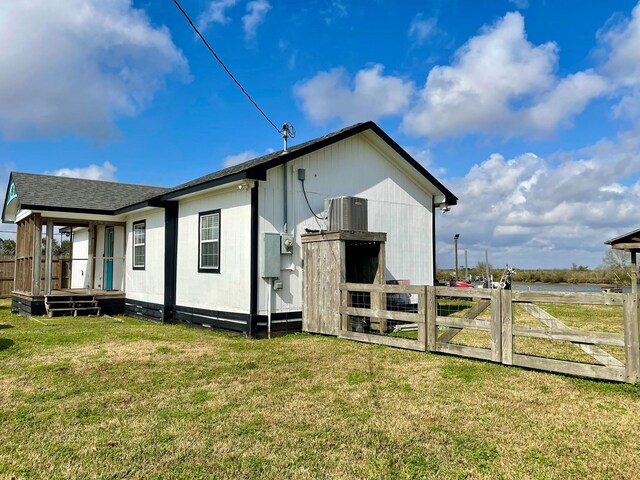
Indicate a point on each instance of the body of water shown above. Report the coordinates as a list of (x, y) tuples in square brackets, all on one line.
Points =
[(559, 287)]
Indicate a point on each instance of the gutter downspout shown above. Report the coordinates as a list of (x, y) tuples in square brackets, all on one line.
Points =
[(433, 239)]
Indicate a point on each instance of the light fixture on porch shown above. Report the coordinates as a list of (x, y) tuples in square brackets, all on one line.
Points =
[(244, 185)]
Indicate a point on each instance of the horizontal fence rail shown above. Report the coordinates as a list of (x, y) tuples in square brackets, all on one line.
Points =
[(427, 318), (384, 314)]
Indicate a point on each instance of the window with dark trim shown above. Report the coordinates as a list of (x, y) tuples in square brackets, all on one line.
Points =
[(209, 242), (139, 244)]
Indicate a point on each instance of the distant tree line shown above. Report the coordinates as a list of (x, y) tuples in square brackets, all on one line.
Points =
[(8, 248), (615, 270)]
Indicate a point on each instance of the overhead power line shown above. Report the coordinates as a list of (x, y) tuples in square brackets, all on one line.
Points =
[(204, 40)]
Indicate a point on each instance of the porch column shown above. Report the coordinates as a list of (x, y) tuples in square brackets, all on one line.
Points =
[(91, 262), (634, 273), (37, 254), (48, 256)]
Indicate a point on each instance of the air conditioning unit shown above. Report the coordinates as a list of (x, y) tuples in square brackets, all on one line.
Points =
[(347, 213)]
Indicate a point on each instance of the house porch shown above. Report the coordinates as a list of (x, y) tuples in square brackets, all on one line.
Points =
[(95, 284)]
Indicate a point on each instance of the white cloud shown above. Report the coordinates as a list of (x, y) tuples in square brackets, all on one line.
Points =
[(331, 94), (215, 13), (500, 83), (336, 10), (569, 97), (422, 29), (521, 4), (567, 206), (621, 40), (75, 66), (423, 156), (241, 157), (256, 13), (106, 172), (231, 160)]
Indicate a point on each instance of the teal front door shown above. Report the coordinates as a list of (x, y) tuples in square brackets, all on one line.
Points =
[(108, 258)]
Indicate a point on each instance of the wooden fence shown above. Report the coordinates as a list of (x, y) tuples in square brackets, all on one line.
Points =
[(60, 274), (432, 319)]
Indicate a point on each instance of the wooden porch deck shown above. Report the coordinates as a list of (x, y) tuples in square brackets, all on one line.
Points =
[(110, 302)]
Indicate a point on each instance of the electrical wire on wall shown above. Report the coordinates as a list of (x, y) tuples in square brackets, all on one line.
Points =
[(316, 217)]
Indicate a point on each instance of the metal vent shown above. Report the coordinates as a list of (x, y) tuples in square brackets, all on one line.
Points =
[(347, 213)]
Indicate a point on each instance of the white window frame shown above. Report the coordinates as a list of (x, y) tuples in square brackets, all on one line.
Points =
[(201, 242), (137, 244)]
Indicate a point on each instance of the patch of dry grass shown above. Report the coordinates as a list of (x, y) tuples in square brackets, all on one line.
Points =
[(139, 400)]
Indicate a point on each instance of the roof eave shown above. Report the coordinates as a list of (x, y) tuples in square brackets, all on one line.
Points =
[(48, 208), (253, 173), (624, 236)]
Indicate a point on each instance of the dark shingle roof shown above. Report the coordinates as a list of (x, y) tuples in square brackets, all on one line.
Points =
[(277, 158), (259, 161), (78, 194)]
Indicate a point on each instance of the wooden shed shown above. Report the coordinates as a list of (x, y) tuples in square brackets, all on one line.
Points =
[(629, 242), (332, 258)]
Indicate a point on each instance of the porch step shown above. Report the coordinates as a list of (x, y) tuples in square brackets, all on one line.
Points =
[(70, 305)]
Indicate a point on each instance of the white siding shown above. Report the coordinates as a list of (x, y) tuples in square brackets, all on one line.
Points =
[(228, 290), (79, 262), (146, 285), (354, 167)]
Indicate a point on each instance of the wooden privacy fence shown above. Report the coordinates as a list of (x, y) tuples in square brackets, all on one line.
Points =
[(60, 274), (500, 326)]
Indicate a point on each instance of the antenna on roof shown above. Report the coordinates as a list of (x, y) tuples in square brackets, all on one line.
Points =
[(288, 131)]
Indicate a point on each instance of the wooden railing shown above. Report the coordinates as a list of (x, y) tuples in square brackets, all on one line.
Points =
[(60, 274), (436, 316)]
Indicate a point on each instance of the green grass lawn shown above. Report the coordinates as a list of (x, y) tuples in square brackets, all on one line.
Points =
[(123, 398)]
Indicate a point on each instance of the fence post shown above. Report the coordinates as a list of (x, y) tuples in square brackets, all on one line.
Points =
[(430, 320), (378, 304), (631, 340), (344, 302), (422, 326), (506, 307), (496, 326)]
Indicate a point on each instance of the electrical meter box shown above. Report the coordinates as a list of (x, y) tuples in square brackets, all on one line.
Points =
[(286, 244), (270, 264)]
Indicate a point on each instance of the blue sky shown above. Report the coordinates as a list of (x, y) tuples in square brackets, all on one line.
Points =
[(528, 110)]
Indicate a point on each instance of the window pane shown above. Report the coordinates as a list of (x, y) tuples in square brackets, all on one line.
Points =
[(138, 233), (210, 241), (139, 230), (138, 256), (209, 257), (209, 227)]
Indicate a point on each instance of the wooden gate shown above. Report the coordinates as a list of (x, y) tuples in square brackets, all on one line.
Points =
[(499, 326)]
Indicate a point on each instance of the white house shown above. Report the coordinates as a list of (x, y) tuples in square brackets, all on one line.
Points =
[(196, 253)]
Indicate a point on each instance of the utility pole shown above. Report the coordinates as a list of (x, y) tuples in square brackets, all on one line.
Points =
[(466, 267), (455, 249)]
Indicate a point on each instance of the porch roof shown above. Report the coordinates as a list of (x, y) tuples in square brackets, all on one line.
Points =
[(627, 241), (45, 192)]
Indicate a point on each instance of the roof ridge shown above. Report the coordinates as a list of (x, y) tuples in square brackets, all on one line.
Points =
[(90, 180), (259, 159)]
